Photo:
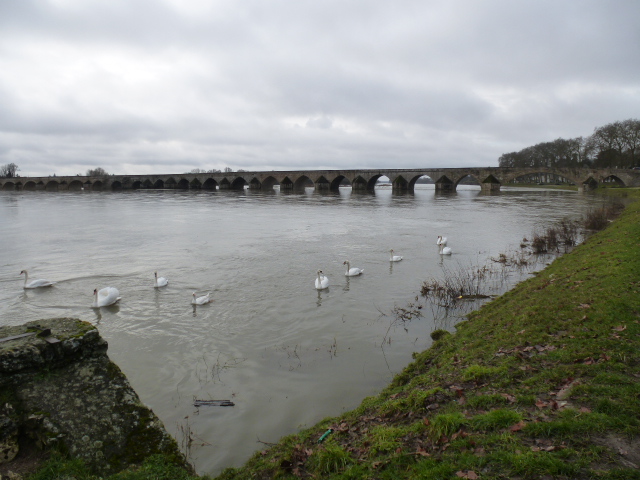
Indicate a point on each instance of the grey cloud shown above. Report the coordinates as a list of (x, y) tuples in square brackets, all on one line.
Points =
[(141, 84)]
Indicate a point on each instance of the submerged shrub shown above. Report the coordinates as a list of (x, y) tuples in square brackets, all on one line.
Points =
[(596, 219)]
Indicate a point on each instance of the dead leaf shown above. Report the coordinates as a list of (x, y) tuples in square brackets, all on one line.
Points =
[(585, 410), (620, 328), (518, 426), (541, 404), (509, 398), (422, 452), (470, 474)]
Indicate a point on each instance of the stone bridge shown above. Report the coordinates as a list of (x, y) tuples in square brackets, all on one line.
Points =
[(362, 181)]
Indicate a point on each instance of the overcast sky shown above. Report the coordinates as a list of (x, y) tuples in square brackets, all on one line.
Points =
[(166, 86)]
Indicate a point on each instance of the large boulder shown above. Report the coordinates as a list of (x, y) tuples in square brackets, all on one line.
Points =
[(58, 389)]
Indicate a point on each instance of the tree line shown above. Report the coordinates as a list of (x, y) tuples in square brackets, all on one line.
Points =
[(615, 145)]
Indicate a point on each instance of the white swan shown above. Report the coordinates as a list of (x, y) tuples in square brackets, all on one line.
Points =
[(106, 296), (441, 240), (200, 300), (35, 283), (445, 250), (394, 258), (322, 281), (352, 272), (159, 282)]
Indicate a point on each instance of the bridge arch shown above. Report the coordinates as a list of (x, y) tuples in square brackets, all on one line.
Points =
[(445, 184), (116, 185), (97, 185), (136, 185), (322, 184), (158, 184), (268, 183), (301, 183), (338, 180), (51, 186), (412, 181), (210, 184), (170, 183), (359, 184), (286, 185), (590, 184), (373, 181), (255, 184), (9, 186), (183, 184), (75, 186), (195, 184), (238, 183), (469, 179), (613, 179), (147, 184)]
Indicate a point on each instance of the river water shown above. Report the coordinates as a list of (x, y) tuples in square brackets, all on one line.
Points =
[(286, 354)]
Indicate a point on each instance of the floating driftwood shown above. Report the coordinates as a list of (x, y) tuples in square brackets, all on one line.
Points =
[(213, 403)]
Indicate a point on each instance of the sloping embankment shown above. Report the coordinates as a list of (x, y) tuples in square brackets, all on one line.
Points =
[(543, 382)]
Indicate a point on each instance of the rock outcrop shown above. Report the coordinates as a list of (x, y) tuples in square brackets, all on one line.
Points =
[(58, 389)]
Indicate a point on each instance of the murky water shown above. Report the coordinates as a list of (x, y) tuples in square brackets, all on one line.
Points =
[(286, 354)]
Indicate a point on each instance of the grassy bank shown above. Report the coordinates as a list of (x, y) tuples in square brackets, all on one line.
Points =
[(542, 382)]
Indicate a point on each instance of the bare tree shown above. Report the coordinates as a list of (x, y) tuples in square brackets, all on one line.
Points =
[(9, 170)]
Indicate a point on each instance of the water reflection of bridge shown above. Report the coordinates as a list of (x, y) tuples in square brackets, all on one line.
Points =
[(402, 180)]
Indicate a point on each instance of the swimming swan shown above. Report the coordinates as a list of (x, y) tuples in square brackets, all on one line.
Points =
[(200, 300), (441, 240), (106, 296), (35, 283), (445, 250), (394, 258), (160, 282), (322, 281), (352, 272)]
